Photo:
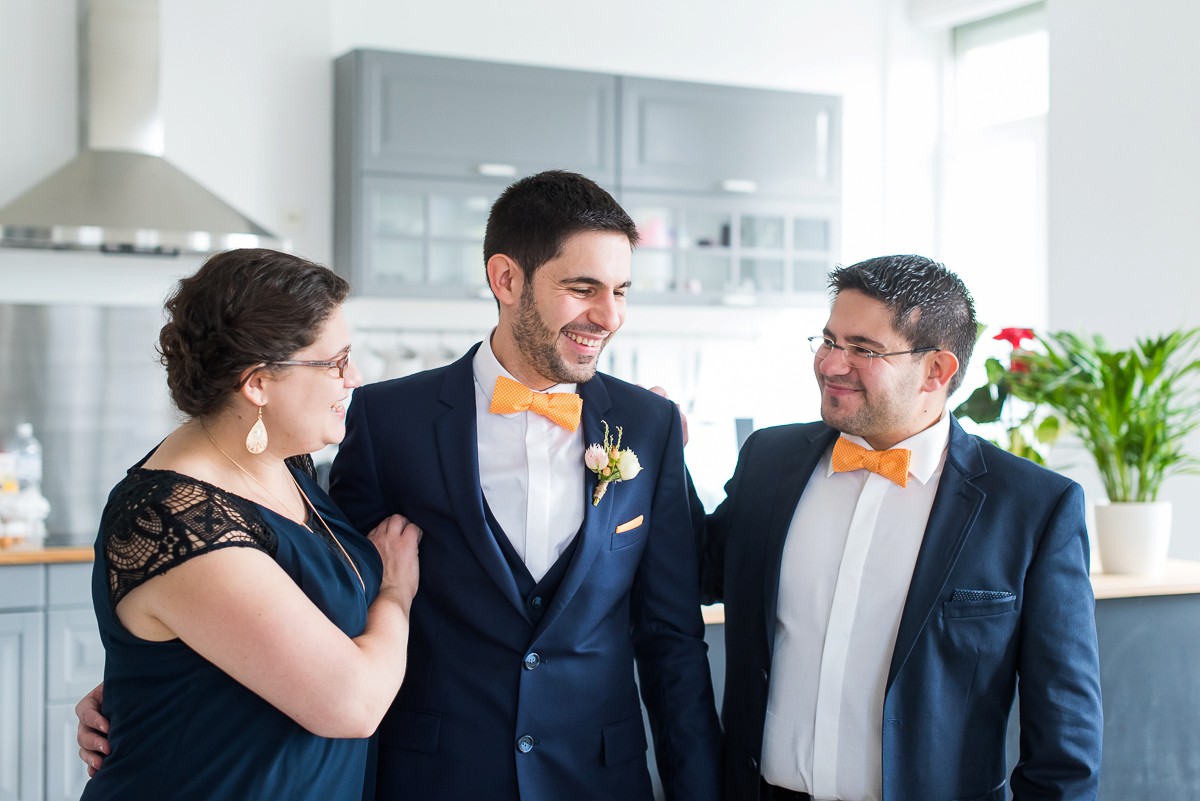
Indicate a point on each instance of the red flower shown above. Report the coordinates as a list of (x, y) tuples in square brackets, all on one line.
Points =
[(1015, 336)]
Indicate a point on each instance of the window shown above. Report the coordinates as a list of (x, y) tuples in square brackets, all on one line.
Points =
[(993, 220)]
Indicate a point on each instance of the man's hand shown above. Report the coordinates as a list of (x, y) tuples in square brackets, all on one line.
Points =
[(92, 734), (682, 417)]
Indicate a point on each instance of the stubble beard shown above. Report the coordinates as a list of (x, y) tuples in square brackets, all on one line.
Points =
[(539, 345), (871, 418)]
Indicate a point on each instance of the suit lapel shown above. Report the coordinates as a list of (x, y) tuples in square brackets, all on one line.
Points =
[(955, 509), (792, 479), (597, 520), (456, 434)]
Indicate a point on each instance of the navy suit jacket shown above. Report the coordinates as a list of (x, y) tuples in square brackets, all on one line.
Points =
[(998, 523), (472, 689)]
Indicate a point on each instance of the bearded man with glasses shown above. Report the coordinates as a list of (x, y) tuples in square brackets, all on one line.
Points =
[(891, 583)]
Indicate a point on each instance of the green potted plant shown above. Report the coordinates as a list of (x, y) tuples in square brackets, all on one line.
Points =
[(1133, 411)]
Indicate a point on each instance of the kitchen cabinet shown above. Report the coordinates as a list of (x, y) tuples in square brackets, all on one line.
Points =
[(416, 238), (50, 656), (691, 137), (74, 665), (736, 191), (22, 667), (424, 145), (453, 118)]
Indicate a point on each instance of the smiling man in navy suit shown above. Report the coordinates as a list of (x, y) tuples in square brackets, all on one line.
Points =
[(535, 602), (890, 582)]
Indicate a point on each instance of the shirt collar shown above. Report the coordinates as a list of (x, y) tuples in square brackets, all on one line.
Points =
[(487, 369), (928, 447)]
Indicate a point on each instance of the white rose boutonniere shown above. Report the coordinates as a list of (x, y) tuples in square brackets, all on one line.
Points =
[(610, 463)]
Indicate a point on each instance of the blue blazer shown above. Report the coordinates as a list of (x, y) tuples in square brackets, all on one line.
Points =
[(494, 706), (998, 523)]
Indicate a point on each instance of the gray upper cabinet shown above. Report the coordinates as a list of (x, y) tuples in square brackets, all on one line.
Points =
[(736, 191), (424, 145), (452, 118), (692, 137)]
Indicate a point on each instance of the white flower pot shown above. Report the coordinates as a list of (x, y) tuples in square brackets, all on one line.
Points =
[(1133, 536)]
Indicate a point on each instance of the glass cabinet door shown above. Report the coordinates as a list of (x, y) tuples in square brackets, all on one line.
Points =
[(395, 252), (654, 262), (731, 250), (424, 240), (457, 224)]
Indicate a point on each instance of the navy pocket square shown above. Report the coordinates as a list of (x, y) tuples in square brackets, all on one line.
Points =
[(980, 595)]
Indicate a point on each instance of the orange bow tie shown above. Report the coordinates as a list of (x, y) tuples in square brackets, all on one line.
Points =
[(891, 464), (561, 408)]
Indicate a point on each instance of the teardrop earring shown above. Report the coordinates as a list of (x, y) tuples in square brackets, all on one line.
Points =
[(256, 440)]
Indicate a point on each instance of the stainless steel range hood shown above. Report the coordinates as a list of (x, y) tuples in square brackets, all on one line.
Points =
[(119, 194)]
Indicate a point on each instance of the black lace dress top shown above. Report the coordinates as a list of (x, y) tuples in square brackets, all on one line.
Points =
[(180, 727)]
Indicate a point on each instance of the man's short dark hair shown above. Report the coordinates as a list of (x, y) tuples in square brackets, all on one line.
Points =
[(535, 216), (930, 305)]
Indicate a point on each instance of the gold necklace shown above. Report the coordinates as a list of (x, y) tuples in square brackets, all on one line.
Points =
[(333, 536), (283, 505)]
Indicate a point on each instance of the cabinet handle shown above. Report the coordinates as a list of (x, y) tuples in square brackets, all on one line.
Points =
[(497, 170), (741, 186)]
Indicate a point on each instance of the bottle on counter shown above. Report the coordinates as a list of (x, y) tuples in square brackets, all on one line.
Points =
[(23, 508), (26, 454)]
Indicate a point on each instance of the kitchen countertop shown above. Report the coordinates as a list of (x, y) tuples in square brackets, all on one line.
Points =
[(1180, 577), (44, 556)]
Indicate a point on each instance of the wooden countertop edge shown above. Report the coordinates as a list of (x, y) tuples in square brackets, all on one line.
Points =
[(47, 556), (1180, 577)]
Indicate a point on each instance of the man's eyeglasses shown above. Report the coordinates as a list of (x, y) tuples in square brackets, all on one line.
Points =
[(340, 363), (857, 356)]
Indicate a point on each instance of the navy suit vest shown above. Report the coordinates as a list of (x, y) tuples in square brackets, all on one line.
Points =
[(537, 594)]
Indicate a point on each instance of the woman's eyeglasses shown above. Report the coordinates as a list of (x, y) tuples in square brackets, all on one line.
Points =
[(340, 363)]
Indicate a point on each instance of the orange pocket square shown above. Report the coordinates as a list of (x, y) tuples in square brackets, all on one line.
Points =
[(632, 524)]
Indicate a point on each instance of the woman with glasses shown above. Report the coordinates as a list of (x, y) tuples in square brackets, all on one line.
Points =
[(253, 640)]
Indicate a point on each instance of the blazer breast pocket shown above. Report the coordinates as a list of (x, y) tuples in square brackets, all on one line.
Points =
[(630, 532), (978, 603), (981, 623)]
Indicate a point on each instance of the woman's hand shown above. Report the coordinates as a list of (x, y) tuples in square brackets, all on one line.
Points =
[(91, 733), (396, 539)]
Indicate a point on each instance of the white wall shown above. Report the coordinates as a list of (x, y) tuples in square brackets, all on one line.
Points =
[(1124, 167)]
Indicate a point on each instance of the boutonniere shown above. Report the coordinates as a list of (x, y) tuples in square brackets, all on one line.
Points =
[(610, 463)]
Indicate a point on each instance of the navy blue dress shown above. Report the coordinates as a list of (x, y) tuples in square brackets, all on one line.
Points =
[(180, 727)]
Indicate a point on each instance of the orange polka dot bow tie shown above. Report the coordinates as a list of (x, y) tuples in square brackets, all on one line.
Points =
[(891, 464), (561, 408)]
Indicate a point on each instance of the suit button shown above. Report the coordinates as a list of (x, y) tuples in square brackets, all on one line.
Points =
[(765, 676), (525, 744), (531, 661), (753, 763), (536, 602)]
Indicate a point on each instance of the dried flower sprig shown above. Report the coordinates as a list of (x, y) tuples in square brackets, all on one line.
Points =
[(610, 463)]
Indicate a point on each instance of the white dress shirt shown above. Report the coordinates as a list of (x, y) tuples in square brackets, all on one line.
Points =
[(847, 563), (531, 471)]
